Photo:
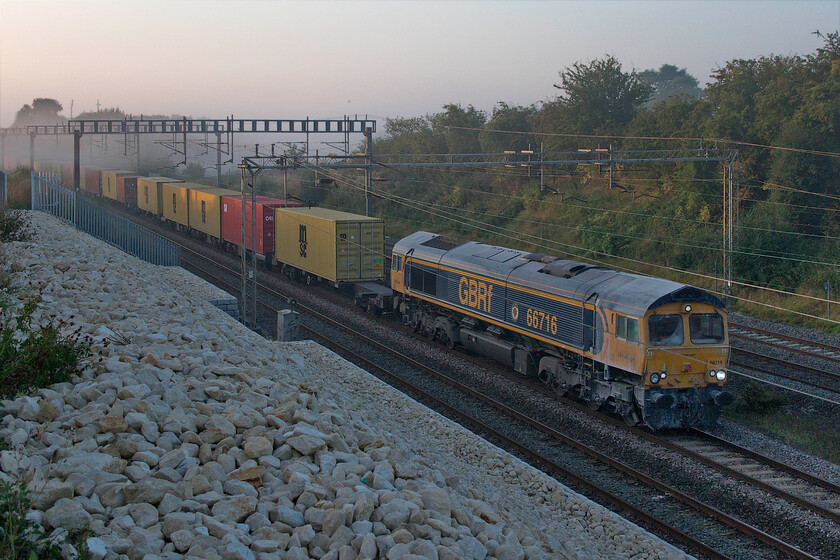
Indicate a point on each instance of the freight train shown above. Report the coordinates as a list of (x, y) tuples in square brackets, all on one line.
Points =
[(653, 351)]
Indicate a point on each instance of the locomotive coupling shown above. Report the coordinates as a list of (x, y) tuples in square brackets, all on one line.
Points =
[(663, 401), (722, 398)]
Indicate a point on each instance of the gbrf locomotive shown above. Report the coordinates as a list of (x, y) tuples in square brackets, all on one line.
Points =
[(651, 350)]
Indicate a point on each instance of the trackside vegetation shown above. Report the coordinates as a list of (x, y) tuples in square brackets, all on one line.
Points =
[(782, 114), (31, 355)]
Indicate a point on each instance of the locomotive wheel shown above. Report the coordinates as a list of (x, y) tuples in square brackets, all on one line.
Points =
[(594, 405), (449, 343)]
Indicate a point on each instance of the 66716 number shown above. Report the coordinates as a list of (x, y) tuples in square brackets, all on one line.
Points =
[(541, 320)]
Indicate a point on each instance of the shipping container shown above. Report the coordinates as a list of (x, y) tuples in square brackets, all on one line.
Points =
[(150, 193), (329, 244), (232, 222), (109, 182), (91, 179), (205, 208), (175, 205), (127, 190)]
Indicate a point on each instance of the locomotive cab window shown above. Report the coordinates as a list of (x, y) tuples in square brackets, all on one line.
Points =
[(665, 330), (396, 263), (627, 328), (706, 328)]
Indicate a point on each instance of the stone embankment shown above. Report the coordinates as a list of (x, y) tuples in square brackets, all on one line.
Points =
[(189, 436)]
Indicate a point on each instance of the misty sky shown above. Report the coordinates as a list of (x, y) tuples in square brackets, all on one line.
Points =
[(271, 59)]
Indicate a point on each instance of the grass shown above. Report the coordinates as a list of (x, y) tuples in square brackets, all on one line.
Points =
[(812, 436)]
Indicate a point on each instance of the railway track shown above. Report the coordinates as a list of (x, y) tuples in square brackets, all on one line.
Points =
[(785, 342), (820, 377), (789, 483), (548, 463), (814, 495)]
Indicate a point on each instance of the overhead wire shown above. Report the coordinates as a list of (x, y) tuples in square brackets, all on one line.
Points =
[(517, 236)]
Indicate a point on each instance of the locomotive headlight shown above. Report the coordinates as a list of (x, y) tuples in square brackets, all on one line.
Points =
[(720, 375), (688, 309), (712, 373), (654, 378), (663, 375)]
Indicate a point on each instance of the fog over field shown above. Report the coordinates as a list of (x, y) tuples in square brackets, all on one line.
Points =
[(381, 59)]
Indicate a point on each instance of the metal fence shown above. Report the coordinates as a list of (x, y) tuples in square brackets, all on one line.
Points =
[(89, 215)]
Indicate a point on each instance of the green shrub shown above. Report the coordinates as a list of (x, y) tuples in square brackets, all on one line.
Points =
[(14, 226), (21, 539), (760, 399), (32, 357)]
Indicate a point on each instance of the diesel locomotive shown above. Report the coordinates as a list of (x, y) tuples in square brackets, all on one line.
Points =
[(651, 350)]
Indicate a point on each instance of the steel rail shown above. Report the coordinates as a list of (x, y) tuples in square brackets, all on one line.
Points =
[(804, 342), (808, 369)]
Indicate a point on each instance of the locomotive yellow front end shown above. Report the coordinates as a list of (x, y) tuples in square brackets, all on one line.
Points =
[(686, 357)]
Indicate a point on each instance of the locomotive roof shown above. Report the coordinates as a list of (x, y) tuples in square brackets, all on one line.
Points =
[(626, 293)]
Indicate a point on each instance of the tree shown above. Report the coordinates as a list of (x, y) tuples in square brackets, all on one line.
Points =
[(508, 118), (670, 81), (599, 96), (410, 136), (109, 114), (43, 111), (460, 127)]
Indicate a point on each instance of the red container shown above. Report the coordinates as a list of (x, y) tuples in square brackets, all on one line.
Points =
[(92, 180), (127, 190), (67, 175), (232, 221)]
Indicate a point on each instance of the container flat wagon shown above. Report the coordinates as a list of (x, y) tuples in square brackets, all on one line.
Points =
[(150, 193), (109, 182), (205, 210), (175, 198), (329, 245), (232, 224)]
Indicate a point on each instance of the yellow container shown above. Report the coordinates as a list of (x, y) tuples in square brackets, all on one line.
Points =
[(333, 245), (109, 182), (175, 203), (205, 208), (150, 193)]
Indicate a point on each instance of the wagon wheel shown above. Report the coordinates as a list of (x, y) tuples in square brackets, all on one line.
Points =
[(308, 279)]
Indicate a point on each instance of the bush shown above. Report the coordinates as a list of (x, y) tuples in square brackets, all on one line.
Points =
[(21, 539), (14, 226), (31, 358), (760, 399)]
